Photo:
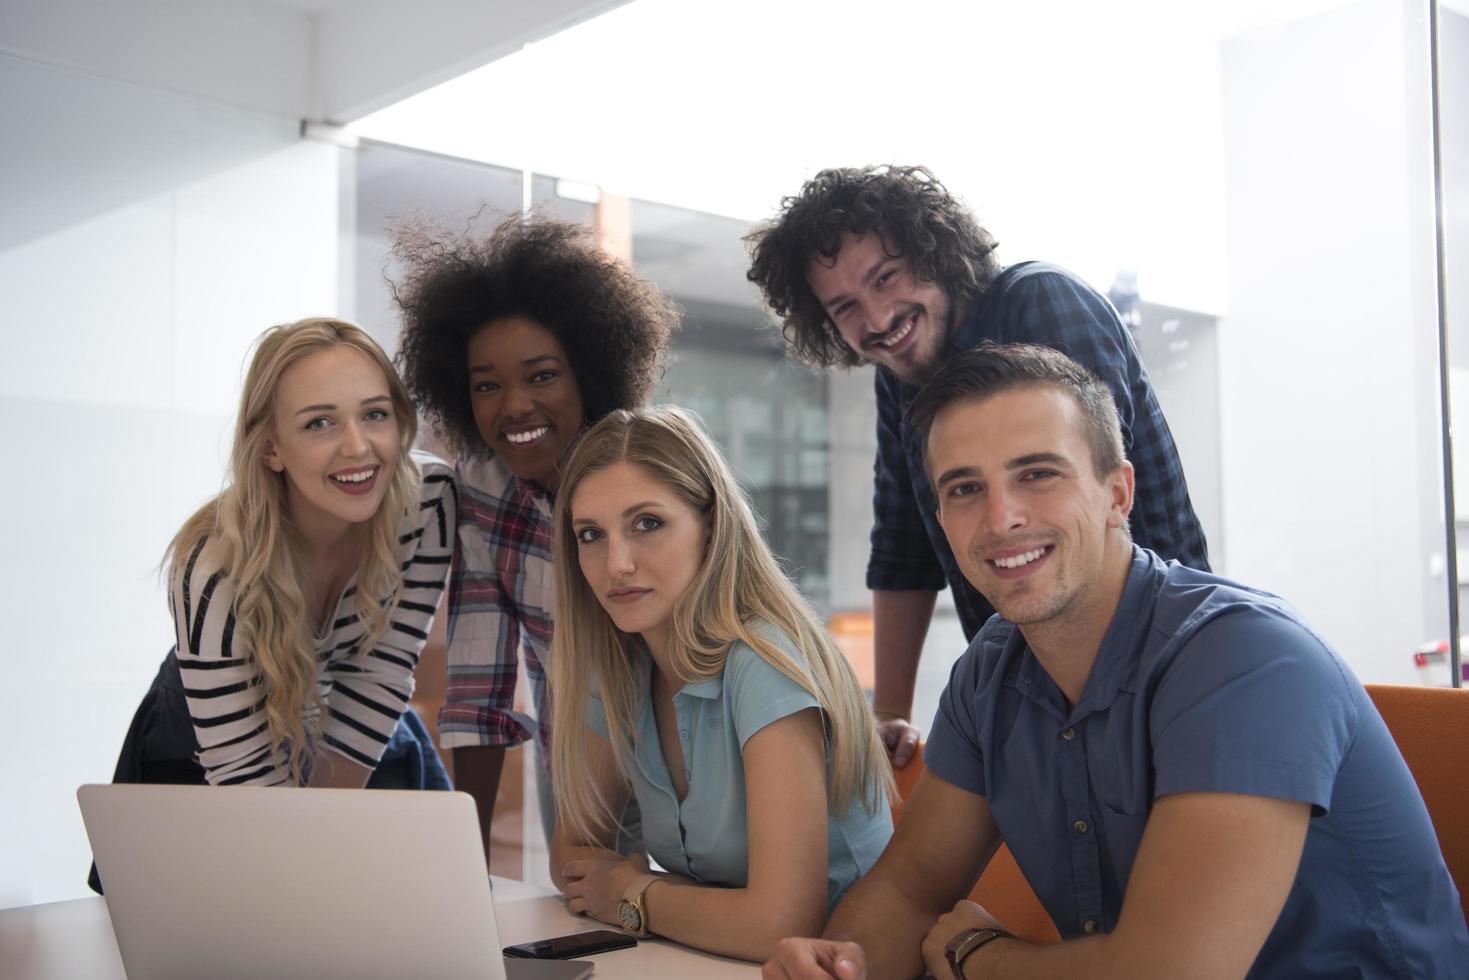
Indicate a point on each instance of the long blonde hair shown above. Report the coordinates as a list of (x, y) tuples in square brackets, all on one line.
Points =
[(739, 586), (247, 533)]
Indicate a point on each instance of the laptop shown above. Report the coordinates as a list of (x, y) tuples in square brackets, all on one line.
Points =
[(245, 882)]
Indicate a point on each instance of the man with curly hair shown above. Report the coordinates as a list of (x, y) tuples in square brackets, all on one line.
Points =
[(883, 265), (511, 345)]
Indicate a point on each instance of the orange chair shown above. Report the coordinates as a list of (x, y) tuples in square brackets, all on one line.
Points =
[(1002, 889), (1429, 724)]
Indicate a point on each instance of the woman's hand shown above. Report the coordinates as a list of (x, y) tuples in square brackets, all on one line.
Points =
[(594, 886)]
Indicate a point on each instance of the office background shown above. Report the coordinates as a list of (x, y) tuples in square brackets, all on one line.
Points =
[(1267, 169)]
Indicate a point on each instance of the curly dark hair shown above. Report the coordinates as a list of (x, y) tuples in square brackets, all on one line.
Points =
[(916, 217), (613, 325)]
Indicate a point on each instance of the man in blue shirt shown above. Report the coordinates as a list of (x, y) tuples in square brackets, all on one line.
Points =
[(883, 265), (1193, 783)]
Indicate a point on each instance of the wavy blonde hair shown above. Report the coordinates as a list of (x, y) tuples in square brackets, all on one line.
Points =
[(739, 586), (247, 532)]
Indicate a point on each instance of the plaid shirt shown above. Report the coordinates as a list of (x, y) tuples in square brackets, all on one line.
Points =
[(500, 597), (1039, 304)]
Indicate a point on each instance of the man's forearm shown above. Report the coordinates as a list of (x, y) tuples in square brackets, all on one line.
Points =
[(887, 921), (477, 772), (900, 624)]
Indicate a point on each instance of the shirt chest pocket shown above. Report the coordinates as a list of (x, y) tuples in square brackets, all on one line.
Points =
[(1119, 835)]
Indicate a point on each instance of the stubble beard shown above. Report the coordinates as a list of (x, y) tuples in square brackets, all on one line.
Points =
[(926, 362)]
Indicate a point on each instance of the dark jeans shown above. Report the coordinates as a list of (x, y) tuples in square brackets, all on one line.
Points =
[(160, 747)]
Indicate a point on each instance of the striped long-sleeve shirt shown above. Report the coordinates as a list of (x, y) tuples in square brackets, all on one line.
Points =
[(363, 691)]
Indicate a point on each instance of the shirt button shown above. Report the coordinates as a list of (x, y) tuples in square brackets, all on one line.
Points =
[(1069, 734), (1080, 826), (683, 733), (1089, 926)]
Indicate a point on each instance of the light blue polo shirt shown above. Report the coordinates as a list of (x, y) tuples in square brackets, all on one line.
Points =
[(705, 837), (1203, 685)]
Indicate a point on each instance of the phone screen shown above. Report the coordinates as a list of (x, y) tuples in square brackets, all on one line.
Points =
[(570, 947)]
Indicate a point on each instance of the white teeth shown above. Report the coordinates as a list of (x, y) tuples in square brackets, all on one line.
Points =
[(1017, 560), (528, 436), (892, 339), (362, 477)]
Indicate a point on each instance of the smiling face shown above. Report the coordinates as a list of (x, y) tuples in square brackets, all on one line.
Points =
[(883, 311), (334, 435), (527, 403), (1031, 525), (640, 546)]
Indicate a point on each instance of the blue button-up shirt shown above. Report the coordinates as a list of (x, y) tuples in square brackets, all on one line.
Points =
[(705, 836), (1032, 303), (1202, 685)]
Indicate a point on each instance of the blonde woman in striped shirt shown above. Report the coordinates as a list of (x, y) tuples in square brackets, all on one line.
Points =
[(303, 593)]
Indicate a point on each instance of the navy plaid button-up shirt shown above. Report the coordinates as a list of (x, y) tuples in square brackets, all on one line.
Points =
[(1033, 303)]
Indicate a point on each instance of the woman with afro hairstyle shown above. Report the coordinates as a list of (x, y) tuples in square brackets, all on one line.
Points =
[(511, 345)]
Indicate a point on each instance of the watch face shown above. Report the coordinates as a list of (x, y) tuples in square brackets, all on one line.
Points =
[(628, 915)]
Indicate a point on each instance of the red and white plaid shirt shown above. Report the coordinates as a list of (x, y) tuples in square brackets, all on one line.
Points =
[(500, 599)]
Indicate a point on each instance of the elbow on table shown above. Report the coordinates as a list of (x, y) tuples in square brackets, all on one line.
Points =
[(554, 866)]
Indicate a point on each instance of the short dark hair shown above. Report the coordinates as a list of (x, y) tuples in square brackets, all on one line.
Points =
[(613, 325), (917, 219), (989, 369)]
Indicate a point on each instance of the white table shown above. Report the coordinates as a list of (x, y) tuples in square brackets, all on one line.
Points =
[(73, 941)]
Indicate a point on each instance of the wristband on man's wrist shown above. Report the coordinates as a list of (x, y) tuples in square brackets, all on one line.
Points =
[(966, 942)]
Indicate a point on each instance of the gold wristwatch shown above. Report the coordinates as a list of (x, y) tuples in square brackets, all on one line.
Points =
[(967, 942), (631, 912)]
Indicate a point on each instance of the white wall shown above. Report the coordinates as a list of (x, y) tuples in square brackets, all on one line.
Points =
[(1330, 459), (146, 239)]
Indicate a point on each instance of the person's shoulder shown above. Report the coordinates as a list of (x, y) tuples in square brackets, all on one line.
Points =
[(1042, 303), (484, 472), (438, 477), (992, 652), (195, 563), (1203, 616), (742, 652), (485, 484), (744, 664), (1185, 599), (1035, 274)]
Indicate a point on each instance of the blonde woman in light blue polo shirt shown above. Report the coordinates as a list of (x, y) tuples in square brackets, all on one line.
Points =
[(690, 674)]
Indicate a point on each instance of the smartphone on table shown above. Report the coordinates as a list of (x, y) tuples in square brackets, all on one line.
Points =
[(571, 947)]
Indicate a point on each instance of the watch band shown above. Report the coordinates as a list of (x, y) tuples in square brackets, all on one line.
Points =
[(632, 905), (966, 943)]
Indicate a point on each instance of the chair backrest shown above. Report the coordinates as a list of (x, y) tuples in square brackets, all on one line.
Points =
[(1002, 889), (1430, 725)]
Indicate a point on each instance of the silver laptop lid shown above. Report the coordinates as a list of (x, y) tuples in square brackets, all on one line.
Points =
[(247, 882)]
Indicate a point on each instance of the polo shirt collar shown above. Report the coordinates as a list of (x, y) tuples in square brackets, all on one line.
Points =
[(709, 690), (1115, 668)]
